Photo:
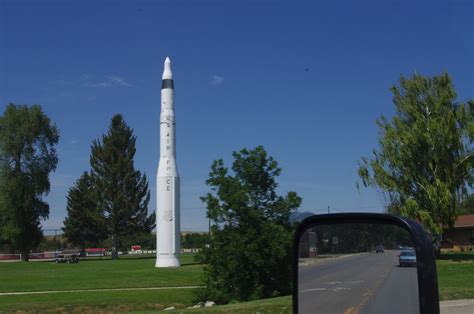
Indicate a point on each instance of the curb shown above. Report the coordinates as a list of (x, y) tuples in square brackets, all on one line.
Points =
[(456, 303)]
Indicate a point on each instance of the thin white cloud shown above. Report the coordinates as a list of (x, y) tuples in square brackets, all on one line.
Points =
[(217, 80), (87, 80), (74, 141), (111, 81)]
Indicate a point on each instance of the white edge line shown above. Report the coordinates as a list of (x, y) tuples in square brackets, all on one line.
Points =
[(314, 289)]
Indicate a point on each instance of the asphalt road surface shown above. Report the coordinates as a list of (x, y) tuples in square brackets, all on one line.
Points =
[(366, 283)]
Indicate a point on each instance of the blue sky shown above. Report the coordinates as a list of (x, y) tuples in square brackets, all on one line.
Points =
[(306, 80)]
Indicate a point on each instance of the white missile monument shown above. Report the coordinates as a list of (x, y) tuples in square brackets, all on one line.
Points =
[(168, 241)]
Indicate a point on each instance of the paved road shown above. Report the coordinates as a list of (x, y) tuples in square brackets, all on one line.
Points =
[(364, 283)]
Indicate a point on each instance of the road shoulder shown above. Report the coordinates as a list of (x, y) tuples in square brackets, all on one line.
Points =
[(465, 306)]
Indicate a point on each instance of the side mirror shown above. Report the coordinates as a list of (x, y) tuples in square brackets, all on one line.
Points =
[(363, 263)]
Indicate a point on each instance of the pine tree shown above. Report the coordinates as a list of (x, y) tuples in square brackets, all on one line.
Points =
[(123, 192), (85, 222)]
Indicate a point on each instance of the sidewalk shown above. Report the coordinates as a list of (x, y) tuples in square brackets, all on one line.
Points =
[(457, 307)]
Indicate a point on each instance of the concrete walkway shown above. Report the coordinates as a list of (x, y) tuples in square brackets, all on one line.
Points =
[(457, 307), (95, 290)]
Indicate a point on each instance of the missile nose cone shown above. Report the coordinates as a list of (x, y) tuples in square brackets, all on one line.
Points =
[(167, 74)]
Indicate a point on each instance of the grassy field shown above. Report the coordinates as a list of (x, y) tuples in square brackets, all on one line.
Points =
[(106, 301), (455, 277), (96, 274), (128, 272), (281, 305)]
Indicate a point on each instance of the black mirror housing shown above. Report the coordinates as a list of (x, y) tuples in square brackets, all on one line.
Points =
[(425, 252)]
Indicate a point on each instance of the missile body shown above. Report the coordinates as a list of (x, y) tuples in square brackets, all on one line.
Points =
[(168, 241)]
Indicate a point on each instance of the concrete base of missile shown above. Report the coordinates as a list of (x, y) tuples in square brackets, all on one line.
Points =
[(167, 261)]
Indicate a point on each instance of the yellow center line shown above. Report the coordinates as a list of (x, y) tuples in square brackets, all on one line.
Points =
[(367, 295)]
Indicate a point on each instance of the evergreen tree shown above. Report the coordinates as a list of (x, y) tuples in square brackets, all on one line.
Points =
[(425, 159), (28, 141), (251, 236), (85, 222), (123, 192), (194, 240)]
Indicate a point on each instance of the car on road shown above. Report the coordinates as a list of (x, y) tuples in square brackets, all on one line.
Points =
[(379, 249), (407, 258)]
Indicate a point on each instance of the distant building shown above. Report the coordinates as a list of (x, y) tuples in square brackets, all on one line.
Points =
[(308, 244), (461, 236)]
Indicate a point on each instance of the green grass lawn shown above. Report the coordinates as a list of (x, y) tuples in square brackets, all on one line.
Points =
[(280, 305), (96, 274), (130, 272), (456, 276), (106, 301)]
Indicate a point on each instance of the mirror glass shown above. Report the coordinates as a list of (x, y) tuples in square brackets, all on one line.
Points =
[(357, 268)]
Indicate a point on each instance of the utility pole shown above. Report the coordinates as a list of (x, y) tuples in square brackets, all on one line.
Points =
[(328, 209), (56, 244), (209, 234)]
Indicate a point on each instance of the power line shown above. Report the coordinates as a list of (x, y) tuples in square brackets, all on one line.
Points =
[(359, 208), (330, 208)]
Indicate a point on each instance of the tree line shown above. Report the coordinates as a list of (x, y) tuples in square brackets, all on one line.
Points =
[(107, 203), (189, 240), (345, 238)]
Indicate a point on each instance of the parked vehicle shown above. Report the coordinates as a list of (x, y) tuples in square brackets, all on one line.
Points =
[(68, 257)]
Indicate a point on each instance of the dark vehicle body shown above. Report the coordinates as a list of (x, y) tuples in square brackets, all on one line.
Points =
[(379, 249)]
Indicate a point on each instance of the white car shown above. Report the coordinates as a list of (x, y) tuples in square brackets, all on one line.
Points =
[(407, 258)]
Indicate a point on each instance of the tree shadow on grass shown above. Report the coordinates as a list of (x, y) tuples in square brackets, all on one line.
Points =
[(190, 264)]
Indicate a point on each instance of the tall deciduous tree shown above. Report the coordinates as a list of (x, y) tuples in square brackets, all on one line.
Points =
[(123, 192), (27, 150), (85, 222), (251, 237), (425, 160)]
